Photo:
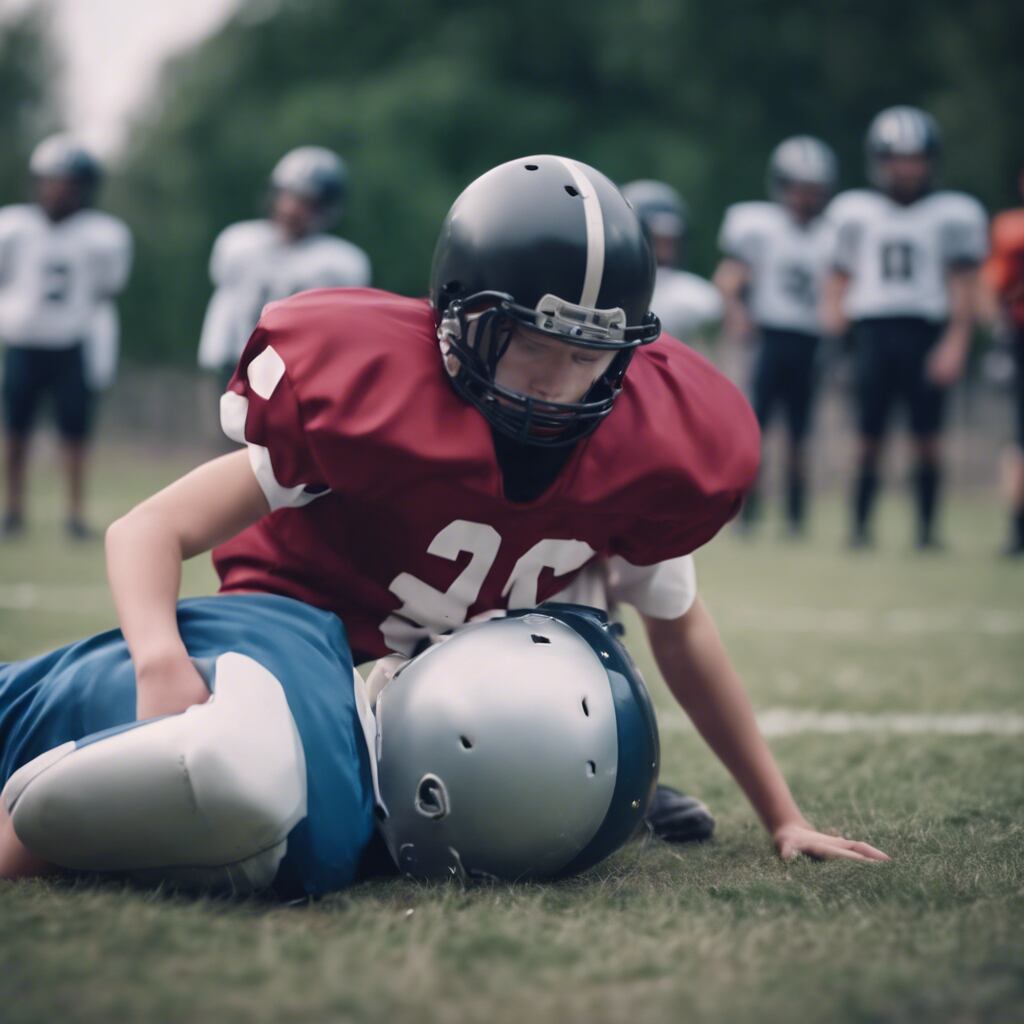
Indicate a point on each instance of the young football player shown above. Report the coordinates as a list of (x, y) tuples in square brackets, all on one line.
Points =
[(774, 258), (1003, 276), (539, 719), (687, 305), (412, 463), (256, 261), (61, 264), (903, 282)]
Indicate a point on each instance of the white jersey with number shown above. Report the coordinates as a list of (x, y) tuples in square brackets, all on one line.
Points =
[(898, 256), (252, 264), (57, 278), (685, 303), (786, 262)]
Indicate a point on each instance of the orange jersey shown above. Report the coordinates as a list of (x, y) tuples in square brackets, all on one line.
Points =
[(1004, 270)]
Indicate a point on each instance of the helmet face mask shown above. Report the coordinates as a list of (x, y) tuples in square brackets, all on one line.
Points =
[(547, 245), (521, 747)]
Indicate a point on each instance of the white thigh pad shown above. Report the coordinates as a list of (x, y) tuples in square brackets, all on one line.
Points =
[(203, 799)]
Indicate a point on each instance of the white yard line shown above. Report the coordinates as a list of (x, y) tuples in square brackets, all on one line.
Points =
[(798, 721)]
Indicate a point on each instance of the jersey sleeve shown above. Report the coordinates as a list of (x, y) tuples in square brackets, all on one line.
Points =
[(112, 256), (262, 410), (964, 232), (8, 221), (738, 238), (844, 232), (228, 256), (665, 590)]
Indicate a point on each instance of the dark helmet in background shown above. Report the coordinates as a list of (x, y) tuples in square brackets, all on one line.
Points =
[(547, 243), (521, 747)]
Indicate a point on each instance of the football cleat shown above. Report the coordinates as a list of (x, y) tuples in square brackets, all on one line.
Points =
[(678, 818)]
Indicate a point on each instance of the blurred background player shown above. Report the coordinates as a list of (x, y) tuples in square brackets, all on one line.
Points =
[(774, 259), (257, 261), (903, 278), (1003, 277), (686, 304), (61, 263)]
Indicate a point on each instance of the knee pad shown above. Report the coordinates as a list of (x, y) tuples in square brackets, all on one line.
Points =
[(204, 800)]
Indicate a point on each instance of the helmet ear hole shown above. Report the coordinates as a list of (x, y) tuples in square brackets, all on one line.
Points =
[(432, 798)]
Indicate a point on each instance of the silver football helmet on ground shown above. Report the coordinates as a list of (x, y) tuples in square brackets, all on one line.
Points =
[(521, 747)]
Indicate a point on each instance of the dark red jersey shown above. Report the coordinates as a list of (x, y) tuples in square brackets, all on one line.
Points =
[(388, 498)]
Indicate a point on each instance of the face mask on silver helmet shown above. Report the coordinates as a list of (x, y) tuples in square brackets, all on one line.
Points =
[(547, 243), (316, 174), (521, 747)]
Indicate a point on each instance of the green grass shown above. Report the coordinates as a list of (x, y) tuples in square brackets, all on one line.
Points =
[(724, 932)]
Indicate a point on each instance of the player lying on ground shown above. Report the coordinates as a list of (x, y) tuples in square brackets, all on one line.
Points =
[(408, 492), (520, 747)]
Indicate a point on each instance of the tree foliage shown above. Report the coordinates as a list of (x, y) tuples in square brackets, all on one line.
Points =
[(28, 74), (420, 97)]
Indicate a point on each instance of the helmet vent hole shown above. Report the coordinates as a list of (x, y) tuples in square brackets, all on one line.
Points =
[(586, 707), (538, 639), (591, 769), (571, 190), (467, 743), (531, 167)]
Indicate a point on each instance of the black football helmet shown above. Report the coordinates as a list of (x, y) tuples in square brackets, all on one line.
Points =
[(62, 156), (900, 131), (547, 243), (801, 160)]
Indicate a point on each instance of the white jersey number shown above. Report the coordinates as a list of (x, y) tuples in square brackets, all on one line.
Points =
[(426, 610)]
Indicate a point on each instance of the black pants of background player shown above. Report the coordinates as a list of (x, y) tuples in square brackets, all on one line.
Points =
[(891, 359), (784, 380), (31, 376)]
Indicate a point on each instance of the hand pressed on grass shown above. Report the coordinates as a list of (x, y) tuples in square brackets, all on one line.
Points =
[(792, 840)]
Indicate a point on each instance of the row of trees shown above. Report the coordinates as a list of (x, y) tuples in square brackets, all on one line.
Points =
[(420, 97)]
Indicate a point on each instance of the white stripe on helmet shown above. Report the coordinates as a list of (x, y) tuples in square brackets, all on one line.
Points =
[(595, 233)]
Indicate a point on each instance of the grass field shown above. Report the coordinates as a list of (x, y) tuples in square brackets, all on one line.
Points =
[(919, 663)]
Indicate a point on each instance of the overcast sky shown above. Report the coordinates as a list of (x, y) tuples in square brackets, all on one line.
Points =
[(112, 50)]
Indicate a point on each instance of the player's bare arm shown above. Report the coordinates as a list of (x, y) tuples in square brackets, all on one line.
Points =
[(731, 278), (697, 669), (145, 549), (833, 320), (947, 360)]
